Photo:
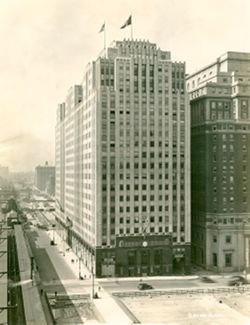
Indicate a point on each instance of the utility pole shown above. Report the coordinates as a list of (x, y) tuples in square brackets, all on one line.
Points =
[(79, 260), (93, 276), (54, 232), (31, 267)]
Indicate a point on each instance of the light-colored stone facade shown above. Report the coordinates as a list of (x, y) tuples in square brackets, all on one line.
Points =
[(123, 162)]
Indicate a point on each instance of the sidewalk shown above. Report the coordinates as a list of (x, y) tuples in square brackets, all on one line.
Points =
[(106, 305)]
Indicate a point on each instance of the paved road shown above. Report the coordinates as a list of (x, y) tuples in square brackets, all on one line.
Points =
[(156, 284), (127, 285), (41, 242), (49, 277)]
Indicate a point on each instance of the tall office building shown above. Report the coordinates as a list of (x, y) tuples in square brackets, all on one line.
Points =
[(123, 163), (220, 163)]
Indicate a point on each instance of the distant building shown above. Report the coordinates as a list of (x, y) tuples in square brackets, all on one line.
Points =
[(45, 178), (6, 191), (25, 178), (4, 172), (122, 163), (220, 160)]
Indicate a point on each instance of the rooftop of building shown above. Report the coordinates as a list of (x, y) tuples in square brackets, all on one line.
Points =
[(230, 55), (46, 165), (132, 46)]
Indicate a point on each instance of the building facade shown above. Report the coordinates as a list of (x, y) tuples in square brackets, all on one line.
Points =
[(45, 178), (123, 163), (220, 163)]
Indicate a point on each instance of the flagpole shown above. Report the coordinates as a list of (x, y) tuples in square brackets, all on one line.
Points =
[(131, 28), (105, 40)]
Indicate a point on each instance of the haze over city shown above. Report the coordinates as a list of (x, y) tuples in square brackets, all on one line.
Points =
[(46, 45)]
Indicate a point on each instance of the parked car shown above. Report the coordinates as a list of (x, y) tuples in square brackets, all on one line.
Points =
[(42, 226), (207, 279), (237, 280), (144, 286)]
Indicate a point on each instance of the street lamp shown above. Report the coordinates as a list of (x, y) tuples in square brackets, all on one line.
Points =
[(31, 267), (92, 273), (94, 295), (246, 249), (80, 260), (52, 242)]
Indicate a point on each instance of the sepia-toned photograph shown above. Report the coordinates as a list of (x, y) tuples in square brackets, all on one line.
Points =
[(124, 162)]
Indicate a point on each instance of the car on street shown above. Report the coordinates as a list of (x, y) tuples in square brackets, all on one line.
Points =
[(144, 286), (42, 227), (206, 279), (237, 280)]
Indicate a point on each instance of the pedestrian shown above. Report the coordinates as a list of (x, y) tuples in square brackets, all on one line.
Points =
[(55, 294), (41, 291)]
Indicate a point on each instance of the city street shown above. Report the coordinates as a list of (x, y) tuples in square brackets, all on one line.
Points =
[(58, 274), (40, 242), (161, 284), (122, 285)]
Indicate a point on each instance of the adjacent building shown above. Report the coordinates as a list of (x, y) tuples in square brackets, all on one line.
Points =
[(45, 178), (123, 163), (220, 163)]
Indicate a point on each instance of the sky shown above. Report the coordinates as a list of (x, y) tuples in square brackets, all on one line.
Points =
[(45, 45)]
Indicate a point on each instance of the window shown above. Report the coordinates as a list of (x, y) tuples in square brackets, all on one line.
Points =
[(145, 258), (158, 257), (228, 259), (213, 104), (228, 239), (131, 258), (214, 259), (215, 239)]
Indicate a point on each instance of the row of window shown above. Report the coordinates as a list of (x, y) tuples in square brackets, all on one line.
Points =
[(137, 187), (227, 239), (227, 259)]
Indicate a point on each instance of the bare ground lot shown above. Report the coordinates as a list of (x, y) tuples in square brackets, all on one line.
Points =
[(217, 309)]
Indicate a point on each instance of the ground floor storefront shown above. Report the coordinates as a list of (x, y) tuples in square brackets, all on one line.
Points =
[(141, 255)]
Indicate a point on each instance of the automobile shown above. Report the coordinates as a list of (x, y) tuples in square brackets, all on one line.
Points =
[(237, 280), (144, 286), (42, 226), (206, 279)]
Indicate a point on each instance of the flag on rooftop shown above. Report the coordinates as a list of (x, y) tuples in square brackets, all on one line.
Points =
[(127, 22), (102, 28)]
